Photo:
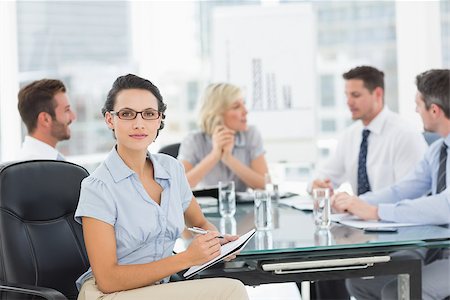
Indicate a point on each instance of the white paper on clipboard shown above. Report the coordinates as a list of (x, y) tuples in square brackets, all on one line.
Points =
[(225, 250)]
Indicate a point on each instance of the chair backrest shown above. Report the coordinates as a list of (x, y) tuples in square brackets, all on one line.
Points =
[(40, 242), (171, 149)]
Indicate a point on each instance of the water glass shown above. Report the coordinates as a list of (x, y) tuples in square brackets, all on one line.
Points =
[(264, 240), (323, 237), (228, 225), (322, 208), (227, 199), (272, 187), (263, 210)]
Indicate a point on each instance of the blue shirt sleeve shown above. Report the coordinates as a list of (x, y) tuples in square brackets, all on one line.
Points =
[(433, 209), (407, 201), (96, 202)]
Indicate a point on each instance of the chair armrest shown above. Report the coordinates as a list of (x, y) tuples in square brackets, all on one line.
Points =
[(43, 292)]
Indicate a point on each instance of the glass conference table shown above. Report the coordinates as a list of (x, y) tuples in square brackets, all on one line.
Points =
[(293, 251)]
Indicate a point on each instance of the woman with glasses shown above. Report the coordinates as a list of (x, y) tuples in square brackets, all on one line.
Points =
[(135, 205), (226, 148)]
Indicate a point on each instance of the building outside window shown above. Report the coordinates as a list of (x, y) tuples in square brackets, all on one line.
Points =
[(445, 33), (88, 44)]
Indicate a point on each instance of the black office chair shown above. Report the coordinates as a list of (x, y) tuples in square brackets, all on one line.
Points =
[(42, 249), (171, 149)]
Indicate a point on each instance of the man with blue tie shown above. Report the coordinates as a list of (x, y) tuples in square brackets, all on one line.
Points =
[(410, 200), (44, 108), (377, 150)]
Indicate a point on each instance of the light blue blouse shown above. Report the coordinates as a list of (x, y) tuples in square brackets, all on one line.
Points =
[(407, 201), (145, 231), (247, 147)]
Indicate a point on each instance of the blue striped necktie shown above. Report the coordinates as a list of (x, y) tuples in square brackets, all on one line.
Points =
[(363, 179), (441, 178), (441, 185)]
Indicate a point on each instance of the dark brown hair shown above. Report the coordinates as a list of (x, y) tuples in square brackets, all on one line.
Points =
[(434, 85), (371, 77), (37, 97)]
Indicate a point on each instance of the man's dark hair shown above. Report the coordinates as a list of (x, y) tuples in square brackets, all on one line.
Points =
[(434, 85), (131, 81), (38, 97), (371, 77)]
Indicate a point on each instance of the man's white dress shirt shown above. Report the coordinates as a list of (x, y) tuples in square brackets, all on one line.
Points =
[(35, 149), (393, 151)]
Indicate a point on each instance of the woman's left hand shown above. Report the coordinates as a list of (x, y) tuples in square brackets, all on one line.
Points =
[(226, 239)]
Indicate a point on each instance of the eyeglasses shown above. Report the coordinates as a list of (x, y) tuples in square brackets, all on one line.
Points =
[(129, 114)]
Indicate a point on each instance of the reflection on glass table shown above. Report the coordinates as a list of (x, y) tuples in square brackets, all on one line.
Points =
[(295, 231)]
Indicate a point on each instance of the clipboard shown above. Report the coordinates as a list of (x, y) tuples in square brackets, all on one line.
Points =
[(225, 250)]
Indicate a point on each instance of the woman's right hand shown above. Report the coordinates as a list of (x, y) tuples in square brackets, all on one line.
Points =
[(203, 248), (221, 136)]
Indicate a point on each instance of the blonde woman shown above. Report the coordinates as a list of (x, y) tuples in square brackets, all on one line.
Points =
[(226, 148)]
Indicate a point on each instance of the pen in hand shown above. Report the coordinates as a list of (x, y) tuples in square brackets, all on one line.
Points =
[(201, 231)]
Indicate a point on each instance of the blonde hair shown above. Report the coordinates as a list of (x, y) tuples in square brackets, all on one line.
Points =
[(216, 99)]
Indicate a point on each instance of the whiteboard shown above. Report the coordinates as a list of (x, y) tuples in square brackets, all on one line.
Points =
[(269, 51)]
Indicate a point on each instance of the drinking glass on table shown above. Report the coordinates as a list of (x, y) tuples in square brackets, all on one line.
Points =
[(263, 210), (322, 207), (227, 199)]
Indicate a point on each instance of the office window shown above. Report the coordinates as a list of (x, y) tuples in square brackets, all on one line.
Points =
[(445, 33), (328, 125), (86, 45), (192, 95), (353, 33), (324, 153), (327, 91)]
